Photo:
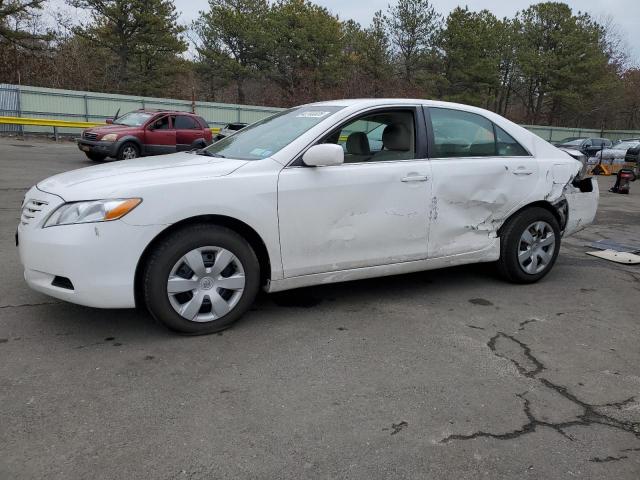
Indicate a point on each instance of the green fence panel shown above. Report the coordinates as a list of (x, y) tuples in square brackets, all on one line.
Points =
[(73, 105)]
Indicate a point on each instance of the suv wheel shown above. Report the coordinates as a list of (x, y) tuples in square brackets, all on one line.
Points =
[(530, 243), (201, 279), (128, 151)]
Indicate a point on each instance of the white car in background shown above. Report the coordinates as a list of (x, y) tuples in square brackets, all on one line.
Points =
[(321, 193), (617, 152)]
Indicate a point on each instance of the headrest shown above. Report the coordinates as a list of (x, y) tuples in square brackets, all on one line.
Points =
[(397, 137), (358, 144)]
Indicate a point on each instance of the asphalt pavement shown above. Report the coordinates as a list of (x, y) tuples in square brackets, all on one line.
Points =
[(448, 374)]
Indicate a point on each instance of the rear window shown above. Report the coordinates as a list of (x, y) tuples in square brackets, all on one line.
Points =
[(465, 134)]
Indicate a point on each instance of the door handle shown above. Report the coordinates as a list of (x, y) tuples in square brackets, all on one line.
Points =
[(415, 178), (522, 171)]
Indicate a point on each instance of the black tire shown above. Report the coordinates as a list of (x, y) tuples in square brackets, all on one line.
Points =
[(96, 157), (169, 251), (127, 150), (509, 265)]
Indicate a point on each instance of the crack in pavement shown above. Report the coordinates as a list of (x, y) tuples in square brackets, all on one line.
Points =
[(539, 367), (608, 459), (30, 305), (523, 324), (589, 416)]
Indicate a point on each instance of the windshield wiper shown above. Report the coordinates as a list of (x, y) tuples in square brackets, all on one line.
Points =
[(206, 153)]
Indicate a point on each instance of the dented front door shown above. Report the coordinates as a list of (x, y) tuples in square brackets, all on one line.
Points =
[(353, 215)]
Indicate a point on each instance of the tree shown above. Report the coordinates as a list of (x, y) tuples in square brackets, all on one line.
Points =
[(307, 49), (14, 17), (367, 58), (234, 40), (375, 48), (143, 36), (22, 35), (560, 58), (469, 43), (413, 26)]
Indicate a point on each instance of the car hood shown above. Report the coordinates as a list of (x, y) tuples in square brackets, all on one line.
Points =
[(105, 129), (116, 179)]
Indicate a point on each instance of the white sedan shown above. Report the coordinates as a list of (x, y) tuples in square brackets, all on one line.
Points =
[(321, 193)]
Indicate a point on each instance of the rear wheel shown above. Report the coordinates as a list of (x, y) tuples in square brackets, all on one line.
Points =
[(128, 151), (530, 243), (96, 157), (201, 279)]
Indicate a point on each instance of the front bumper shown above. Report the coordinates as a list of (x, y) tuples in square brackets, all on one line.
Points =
[(100, 259), (108, 149)]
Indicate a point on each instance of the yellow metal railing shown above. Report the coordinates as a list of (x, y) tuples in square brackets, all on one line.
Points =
[(47, 122)]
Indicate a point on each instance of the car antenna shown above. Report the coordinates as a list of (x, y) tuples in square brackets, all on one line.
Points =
[(117, 114)]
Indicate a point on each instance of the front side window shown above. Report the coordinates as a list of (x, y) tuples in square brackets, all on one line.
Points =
[(377, 137), (161, 123), (464, 134), (269, 136)]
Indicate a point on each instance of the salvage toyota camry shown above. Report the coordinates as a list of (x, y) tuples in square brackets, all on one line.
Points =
[(321, 193)]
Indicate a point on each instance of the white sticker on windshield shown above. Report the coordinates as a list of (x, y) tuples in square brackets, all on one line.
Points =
[(312, 114), (260, 152)]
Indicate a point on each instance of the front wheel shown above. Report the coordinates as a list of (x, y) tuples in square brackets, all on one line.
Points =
[(201, 279), (128, 151), (530, 243)]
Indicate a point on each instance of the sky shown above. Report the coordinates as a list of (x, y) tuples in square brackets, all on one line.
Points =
[(625, 13)]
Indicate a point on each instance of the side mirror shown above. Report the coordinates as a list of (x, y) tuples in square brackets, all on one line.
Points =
[(109, 121), (324, 155)]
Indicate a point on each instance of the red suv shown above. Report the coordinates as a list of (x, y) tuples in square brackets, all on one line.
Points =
[(145, 132)]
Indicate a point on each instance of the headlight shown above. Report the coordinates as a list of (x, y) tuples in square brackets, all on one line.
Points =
[(111, 137), (93, 211)]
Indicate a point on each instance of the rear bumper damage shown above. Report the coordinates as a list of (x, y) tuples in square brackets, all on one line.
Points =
[(578, 205)]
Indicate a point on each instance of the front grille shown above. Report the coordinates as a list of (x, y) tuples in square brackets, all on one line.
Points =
[(89, 136), (32, 210)]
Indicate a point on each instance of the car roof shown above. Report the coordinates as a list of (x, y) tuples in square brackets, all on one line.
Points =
[(366, 102), (160, 110)]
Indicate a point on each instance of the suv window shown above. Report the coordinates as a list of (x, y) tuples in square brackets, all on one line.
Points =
[(182, 122), (465, 134), (377, 137), (162, 123)]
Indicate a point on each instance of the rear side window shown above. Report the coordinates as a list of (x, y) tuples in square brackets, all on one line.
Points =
[(464, 134), (507, 146), (461, 134), (182, 122)]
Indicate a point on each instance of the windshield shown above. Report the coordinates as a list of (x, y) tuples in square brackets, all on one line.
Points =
[(266, 137), (625, 145), (133, 119)]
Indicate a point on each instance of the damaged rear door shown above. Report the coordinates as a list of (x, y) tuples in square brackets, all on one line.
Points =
[(480, 176)]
